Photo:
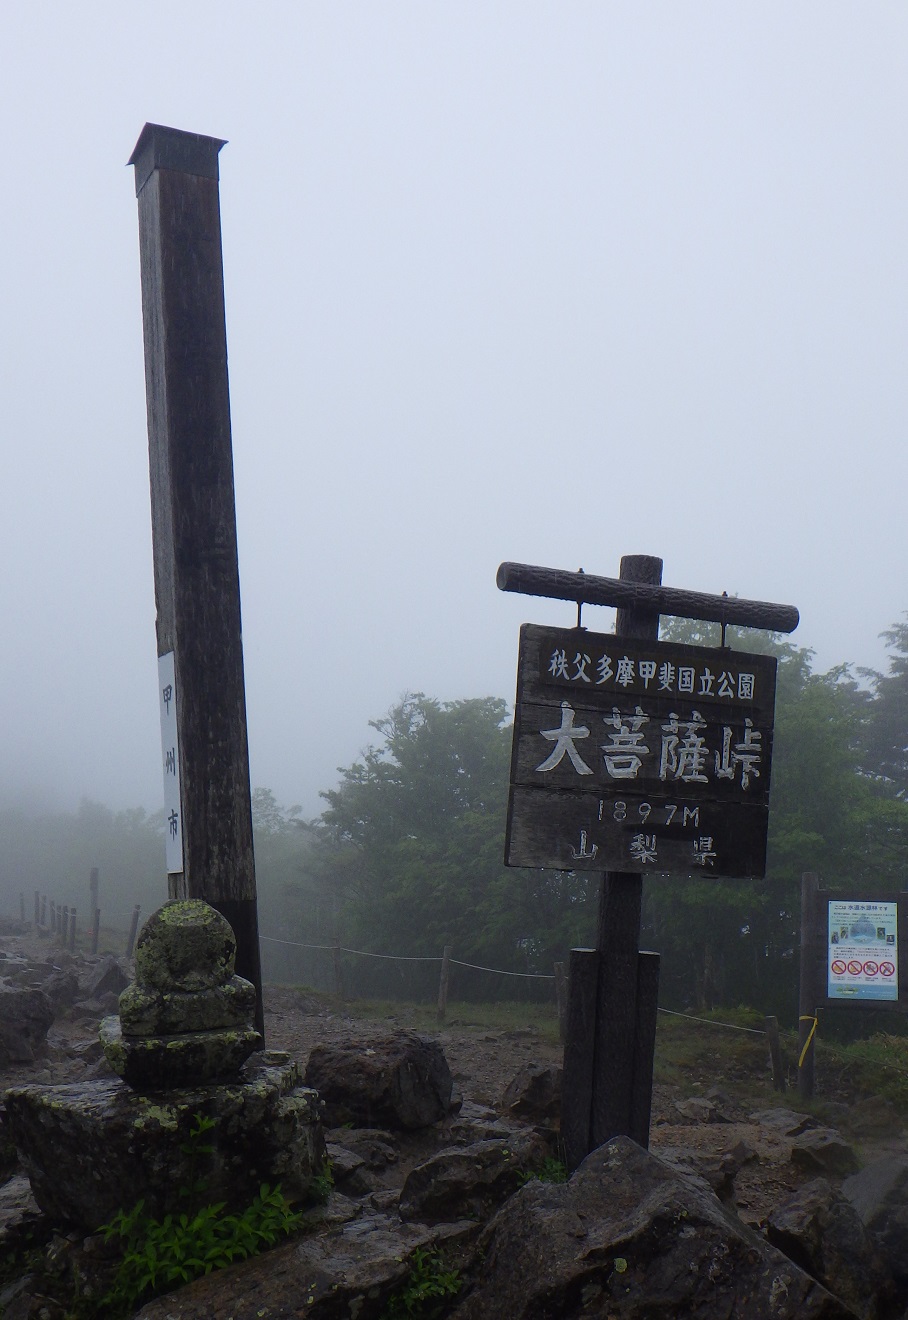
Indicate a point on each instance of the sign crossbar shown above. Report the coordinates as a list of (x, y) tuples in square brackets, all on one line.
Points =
[(588, 589)]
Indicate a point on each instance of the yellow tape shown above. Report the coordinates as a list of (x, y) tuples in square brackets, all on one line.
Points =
[(807, 1017)]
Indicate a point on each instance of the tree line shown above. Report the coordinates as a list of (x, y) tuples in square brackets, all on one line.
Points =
[(407, 855)]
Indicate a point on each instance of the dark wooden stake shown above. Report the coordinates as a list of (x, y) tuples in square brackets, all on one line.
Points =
[(807, 987), (775, 1053), (443, 983), (194, 523), (95, 929), (644, 1046), (579, 1044), (43, 909), (134, 926), (93, 888)]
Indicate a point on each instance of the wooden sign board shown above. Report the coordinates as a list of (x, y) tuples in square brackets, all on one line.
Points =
[(639, 756)]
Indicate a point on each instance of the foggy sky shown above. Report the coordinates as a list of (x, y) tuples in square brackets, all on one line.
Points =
[(543, 282)]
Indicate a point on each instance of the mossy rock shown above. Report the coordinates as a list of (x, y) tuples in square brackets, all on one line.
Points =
[(185, 945)]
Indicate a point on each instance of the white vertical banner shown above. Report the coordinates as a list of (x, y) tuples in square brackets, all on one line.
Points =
[(170, 760)]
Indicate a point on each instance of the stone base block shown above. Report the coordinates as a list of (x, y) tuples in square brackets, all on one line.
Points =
[(156, 1063), (95, 1148)]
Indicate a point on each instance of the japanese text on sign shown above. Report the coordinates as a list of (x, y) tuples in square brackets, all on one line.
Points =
[(639, 755), (167, 696), (628, 674), (683, 753)]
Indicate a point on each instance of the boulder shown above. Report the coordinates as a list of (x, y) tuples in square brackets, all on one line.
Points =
[(879, 1193), (822, 1150), (397, 1081), (784, 1122), (375, 1148), (820, 1230), (107, 975), (351, 1271), (718, 1170), (61, 987), (535, 1093), (93, 1148), (25, 1016), (698, 1109), (469, 1182), (630, 1238)]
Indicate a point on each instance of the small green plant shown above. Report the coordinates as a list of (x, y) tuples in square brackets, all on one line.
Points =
[(159, 1254), (322, 1185), (426, 1288), (550, 1171)]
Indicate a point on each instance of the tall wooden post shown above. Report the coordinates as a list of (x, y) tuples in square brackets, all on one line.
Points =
[(194, 532)]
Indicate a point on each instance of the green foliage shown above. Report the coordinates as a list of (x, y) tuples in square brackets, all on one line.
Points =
[(162, 1253), (550, 1171), (879, 1064), (322, 1185), (410, 847), (427, 1288)]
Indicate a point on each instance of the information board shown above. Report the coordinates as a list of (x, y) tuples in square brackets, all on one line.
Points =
[(862, 950), (639, 756)]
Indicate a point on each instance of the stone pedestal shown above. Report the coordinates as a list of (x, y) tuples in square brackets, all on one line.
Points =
[(91, 1150)]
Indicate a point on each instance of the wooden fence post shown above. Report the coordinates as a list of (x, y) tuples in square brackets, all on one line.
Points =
[(131, 942), (43, 909), (775, 1053), (807, 990), (72, 930), (95, 929), (443, 983)]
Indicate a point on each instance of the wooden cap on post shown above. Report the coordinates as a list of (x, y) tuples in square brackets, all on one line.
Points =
[(161, 148)]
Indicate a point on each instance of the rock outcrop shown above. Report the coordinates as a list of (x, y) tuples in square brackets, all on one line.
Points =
[(397, 1081), (630, 1238)]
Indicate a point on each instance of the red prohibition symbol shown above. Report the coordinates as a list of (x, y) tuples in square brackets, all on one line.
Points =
[(871, 968), (839, 967), (855, 968), (887, 969)]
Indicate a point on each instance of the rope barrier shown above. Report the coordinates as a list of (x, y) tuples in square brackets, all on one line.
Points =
[(756, 1031), (399, 957), (540, 976), (497, 971)]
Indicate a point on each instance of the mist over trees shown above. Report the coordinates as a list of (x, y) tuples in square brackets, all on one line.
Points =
[(407, 855)]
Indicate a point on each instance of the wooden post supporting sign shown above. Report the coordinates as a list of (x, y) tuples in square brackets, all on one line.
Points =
[(618, 937), (636, 756), (202, 697)]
